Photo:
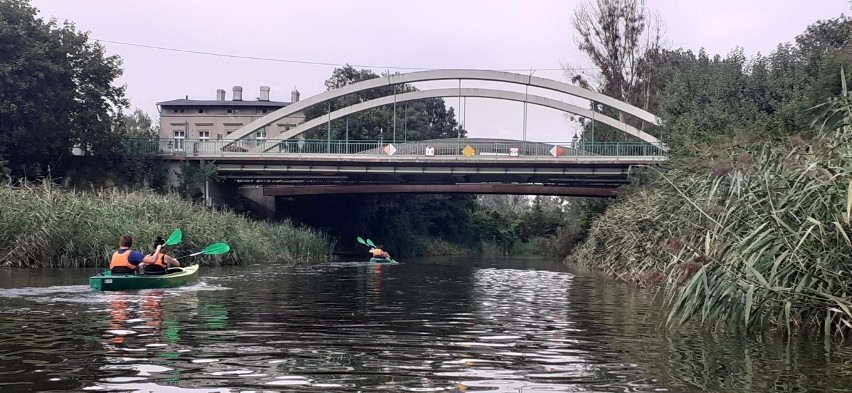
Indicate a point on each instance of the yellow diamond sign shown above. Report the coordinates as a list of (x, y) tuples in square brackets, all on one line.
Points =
[(468, 151)]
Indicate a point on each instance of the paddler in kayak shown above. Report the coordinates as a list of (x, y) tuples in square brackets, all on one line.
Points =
[(379, 252), (162, 262), (126, 260)]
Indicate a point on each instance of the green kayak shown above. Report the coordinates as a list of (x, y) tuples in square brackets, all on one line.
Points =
[(106, 281), (383, 260)]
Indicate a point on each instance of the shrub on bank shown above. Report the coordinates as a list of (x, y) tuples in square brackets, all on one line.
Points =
[(43, 225), (760, 236)]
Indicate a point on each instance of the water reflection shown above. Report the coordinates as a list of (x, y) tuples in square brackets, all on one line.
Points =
[(429, 325)]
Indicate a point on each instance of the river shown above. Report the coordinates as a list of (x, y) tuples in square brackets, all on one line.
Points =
[(428, 325)]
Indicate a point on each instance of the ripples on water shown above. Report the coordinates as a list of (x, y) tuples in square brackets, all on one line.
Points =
[(430, 326)]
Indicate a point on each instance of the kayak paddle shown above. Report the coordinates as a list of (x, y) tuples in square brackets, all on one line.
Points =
[(213, 249), (175, 238), (368, 243)]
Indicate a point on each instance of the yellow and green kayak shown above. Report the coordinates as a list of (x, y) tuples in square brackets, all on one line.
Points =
[(107, 281)]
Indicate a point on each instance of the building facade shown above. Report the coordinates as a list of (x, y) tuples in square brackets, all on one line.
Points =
[(199, 121)]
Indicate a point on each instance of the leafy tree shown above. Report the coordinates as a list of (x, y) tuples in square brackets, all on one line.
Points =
[(192, 178), (706, 98), (56, 90), (424, 119), (135, 125)]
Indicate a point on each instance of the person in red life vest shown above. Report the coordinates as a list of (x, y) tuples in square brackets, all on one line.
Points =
[(163, 261), (379, 252), (126, 260)]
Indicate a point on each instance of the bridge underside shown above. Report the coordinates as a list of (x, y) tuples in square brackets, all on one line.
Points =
[(468, 188), (315, 176)]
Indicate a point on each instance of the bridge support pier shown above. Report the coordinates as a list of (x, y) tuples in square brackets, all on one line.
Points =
[(257, 203)]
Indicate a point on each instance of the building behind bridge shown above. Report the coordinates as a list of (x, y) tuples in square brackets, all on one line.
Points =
[(204, 120)]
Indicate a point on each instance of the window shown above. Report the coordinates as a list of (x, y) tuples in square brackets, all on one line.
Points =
[(178, 110), (180, 135), (200, 110), (261, 110), (219, 137), (234, 111), (260, 135), (203, 135)]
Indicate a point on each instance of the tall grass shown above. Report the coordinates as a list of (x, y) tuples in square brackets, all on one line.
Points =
[(759, 237), (43, 225)]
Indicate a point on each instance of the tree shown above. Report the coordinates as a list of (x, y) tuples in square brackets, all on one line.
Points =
[(135, 125), (708, 97), (623, 41), (419, 120), (56, 90)]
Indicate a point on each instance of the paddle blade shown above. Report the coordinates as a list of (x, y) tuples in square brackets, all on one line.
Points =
[(370, 243), (175, 238), (216, 249), (360, 240)]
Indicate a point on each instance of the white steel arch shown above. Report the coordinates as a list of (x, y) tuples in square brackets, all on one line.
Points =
[(437, 75), (465, 92)]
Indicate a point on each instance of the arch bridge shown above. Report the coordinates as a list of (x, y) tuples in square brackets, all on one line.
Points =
[(289, 165)]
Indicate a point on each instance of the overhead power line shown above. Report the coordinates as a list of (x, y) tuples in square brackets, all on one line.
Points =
[(196, 52)]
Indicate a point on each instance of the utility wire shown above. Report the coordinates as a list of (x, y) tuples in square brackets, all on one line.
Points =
[(309, 62)]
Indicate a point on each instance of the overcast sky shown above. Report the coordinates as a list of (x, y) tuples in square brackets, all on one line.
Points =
[(487, 34)]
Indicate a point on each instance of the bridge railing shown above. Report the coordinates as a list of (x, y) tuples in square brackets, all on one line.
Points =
[(444, 148)]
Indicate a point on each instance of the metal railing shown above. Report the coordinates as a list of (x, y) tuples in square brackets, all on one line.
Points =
[(443, 148)]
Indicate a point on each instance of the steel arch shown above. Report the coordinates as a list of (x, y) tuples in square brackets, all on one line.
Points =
[(438, 75), (465, 92)]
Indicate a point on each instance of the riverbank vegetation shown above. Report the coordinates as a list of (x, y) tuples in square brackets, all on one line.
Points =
[(760, 237), (45, 225), (748, 225)]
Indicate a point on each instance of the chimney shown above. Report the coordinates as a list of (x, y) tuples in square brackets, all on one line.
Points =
[(294, 95), (264, 93), (220, 95), (238, 93)]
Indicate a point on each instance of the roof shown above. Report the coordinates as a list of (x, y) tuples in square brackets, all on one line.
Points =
[(184, 102)]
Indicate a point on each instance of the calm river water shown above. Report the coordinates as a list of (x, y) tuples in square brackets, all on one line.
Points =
[(502, 325)]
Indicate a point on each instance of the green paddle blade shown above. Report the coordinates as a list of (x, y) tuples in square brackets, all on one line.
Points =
[(360, 240), (370, 243), (175, 238), (216, 249)]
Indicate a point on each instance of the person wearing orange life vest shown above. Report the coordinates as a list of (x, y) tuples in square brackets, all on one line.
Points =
[(163, 261), (378, 252), (127, 260)]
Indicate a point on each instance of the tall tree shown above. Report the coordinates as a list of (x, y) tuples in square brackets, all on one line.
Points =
[(763, 96), (136, 125), (419, 120), (623, 41), (56, 90)]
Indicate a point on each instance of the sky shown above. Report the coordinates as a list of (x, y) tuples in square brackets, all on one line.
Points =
[(391, 35)]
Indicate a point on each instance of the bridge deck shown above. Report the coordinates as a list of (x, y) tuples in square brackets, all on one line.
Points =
[(455, 166)]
